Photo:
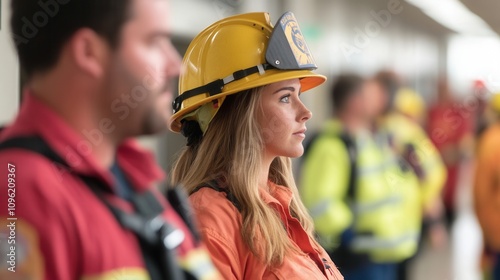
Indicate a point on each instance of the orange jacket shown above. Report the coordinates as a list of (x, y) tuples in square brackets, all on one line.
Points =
[(220, 226), (487, 186)]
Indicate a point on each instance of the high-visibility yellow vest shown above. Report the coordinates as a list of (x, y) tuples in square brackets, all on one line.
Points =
[(405, 133), (385, 213)]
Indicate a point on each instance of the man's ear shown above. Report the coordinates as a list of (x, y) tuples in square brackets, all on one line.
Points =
[(90, 52)]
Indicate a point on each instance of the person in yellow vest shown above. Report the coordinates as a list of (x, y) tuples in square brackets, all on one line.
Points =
[(356, 191), (486, 193), (409, 103), (399, 120), (410, 140)]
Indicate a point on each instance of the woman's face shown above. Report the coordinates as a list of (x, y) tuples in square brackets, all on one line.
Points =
[(283, 119)]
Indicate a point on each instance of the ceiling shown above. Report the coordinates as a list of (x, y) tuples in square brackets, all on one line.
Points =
[(488, 10), (412, 16)]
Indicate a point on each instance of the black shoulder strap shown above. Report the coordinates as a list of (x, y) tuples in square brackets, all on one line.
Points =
[(350, 145), (145, 203), (412, 159), (214, 185), (35, 144), (179, 200), (151, 235)]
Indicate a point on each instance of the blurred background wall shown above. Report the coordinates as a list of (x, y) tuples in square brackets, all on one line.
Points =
[(9, 70)]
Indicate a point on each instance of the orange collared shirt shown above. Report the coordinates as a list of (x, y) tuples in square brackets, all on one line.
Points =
[(220, 226), (487, 186)]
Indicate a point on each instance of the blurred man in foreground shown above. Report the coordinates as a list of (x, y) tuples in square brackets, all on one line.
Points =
[(83, 202)]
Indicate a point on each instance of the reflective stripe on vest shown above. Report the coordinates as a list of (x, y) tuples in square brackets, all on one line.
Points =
[(320, 208), (363, 207), (368, 243)]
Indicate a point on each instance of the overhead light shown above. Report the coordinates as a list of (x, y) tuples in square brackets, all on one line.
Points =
[(454, 15)]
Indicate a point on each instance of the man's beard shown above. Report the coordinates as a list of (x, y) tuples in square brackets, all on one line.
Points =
[(156, 121)]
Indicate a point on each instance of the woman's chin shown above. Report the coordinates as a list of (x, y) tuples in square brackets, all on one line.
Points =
[(295, 153)]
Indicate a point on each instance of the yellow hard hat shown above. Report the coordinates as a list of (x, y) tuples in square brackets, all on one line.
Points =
[(495, 102), (409, 102), (236, 54)]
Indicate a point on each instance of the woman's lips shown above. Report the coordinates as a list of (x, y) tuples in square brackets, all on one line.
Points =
[(301, 133)]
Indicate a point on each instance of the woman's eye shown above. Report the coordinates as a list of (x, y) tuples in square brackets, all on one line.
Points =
[(285, 99)]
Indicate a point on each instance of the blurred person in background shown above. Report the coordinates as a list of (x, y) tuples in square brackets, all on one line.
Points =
[(83, 195), (239, 108), (364, 205), (410, 104), (486, 191), (450, 130), (398, 121), (483, 118)]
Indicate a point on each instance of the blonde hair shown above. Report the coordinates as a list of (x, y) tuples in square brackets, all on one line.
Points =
[(232, 149)]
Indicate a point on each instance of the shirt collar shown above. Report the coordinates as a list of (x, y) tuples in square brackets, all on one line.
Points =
[(277, 194)]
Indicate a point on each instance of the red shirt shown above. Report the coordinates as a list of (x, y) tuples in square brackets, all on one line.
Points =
[(63, 231), (447, 125), (220, 225)]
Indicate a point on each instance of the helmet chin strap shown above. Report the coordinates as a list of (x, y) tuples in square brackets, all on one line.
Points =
[(216, 86), (204, 114)]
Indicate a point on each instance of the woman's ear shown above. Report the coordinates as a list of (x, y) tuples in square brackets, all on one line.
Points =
[(89, 52)]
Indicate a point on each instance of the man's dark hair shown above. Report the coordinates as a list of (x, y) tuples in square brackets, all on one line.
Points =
[(40, 28), (344, 87)]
